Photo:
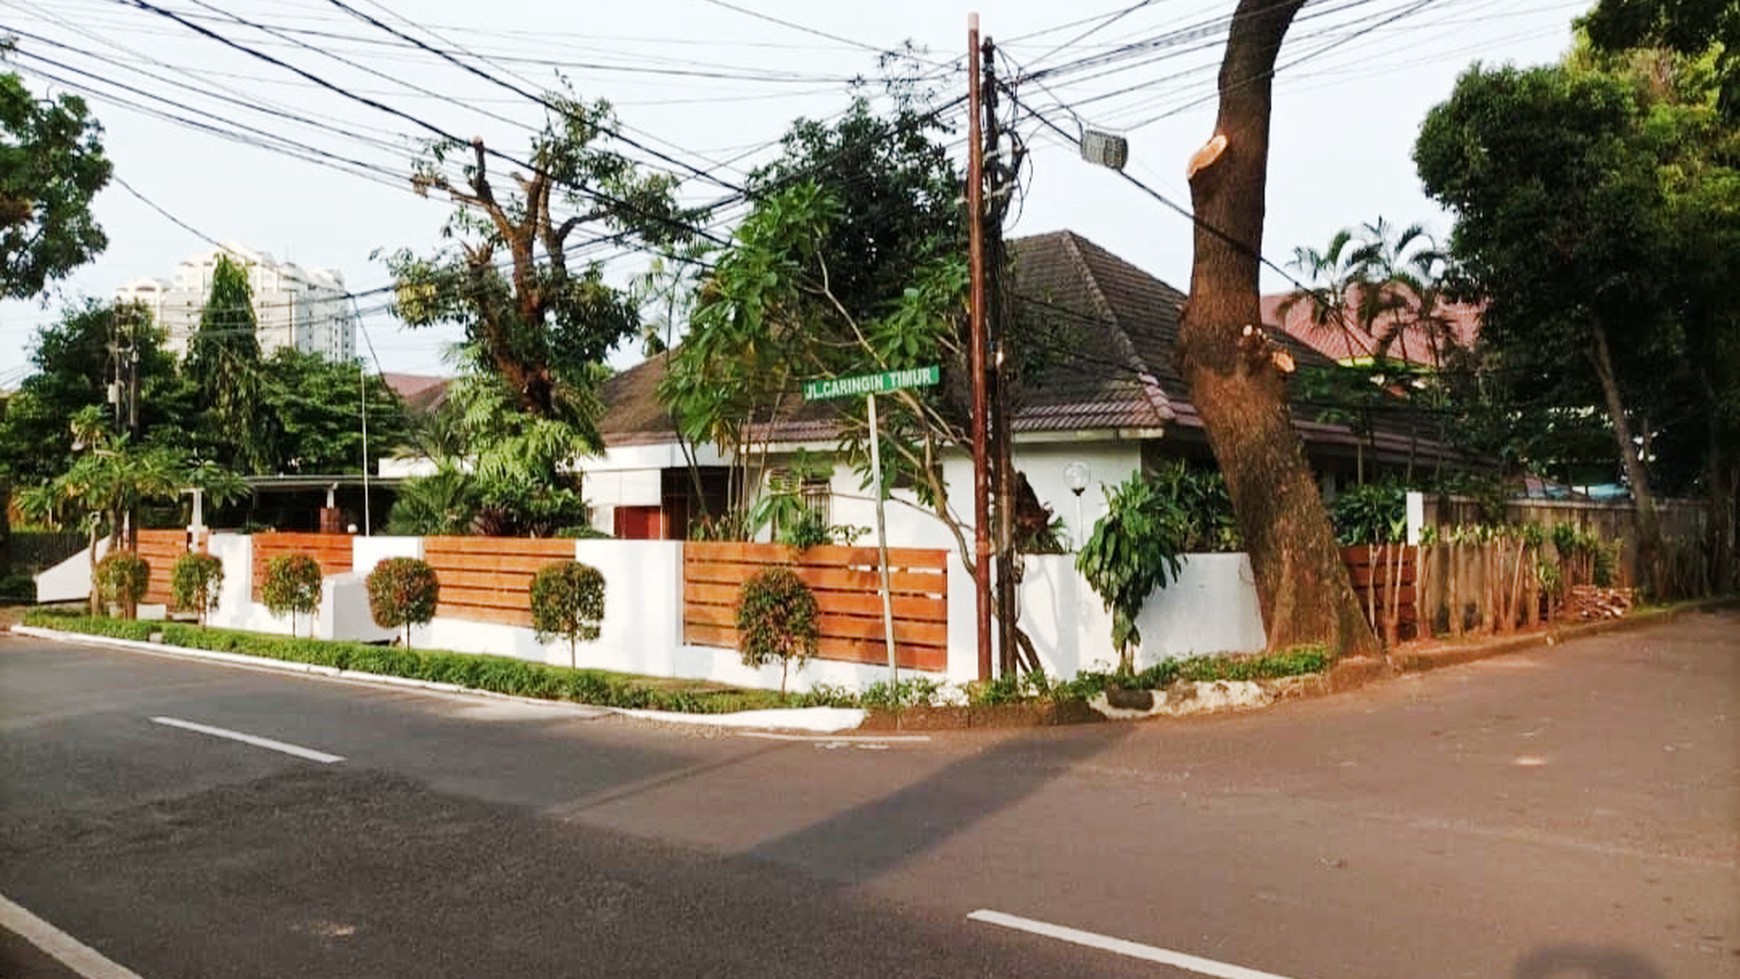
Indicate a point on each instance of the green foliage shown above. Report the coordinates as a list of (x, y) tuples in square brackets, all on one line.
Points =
[(1595, 207), (438, 505), (120, 579), (403, 591), (1688, 27), (18, 586), (568, 602), (909, 691), (292, 586), (195, 581), (451, 502), (478, 672), (223, 364), (1134, 549), (777, 619), (538, 330), (71, 369), (51, 166), (1372, 513), (311, 414), (849, 261), (1200, 501)]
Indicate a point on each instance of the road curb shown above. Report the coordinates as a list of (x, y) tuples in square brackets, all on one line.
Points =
[(764, 719), (1422, 660)]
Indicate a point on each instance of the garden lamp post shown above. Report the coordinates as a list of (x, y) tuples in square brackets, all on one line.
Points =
[(1076, 476)]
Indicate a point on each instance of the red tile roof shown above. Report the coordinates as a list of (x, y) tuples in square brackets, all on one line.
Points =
[(1114, 324), (1409, 341)]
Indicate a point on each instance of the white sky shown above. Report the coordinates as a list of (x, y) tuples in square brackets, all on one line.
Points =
[(1345, 115)]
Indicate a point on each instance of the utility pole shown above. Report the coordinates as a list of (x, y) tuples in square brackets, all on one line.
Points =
[(976, 359), (1001, 439), (133, 415)]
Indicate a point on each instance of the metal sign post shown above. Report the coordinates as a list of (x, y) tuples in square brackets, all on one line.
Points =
[(870, 385)]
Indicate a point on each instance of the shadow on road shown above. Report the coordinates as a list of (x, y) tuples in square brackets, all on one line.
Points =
[(1584, 962), (860, 843)]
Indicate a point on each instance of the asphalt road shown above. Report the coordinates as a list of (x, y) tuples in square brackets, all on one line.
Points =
[(1572, 813)]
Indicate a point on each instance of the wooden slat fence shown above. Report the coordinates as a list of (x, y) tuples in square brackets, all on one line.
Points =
[(489, 579), (333, 551), (160, 549), (847, 587), (1385, 580)]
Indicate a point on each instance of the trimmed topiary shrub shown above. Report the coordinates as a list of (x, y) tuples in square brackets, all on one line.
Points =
[(292, 586), (120, 579), (403, 591), (194, 582), (568, 601), (777, 619)]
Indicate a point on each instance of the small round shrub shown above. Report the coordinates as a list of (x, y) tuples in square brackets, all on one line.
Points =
[(568, 602), (403, 591), (777, 619), (120, 579), (194, 582), (292, 587)]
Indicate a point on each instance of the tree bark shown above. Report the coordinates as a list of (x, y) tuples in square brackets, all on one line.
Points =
[(1235, 373), (1649, 543)]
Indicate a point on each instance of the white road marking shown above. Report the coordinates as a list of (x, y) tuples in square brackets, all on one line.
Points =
[(835, 738), (69, 951), (258, 742), (1134, 950)]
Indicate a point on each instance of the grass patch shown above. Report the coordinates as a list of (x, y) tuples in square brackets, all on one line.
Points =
[(496, 674)]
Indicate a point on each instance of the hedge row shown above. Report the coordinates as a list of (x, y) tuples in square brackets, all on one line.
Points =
[(496, 674)]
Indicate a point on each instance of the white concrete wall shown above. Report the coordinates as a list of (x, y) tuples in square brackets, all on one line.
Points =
[(70, 580), (1210, 608)]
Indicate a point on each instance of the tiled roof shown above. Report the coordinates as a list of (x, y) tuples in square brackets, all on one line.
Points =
[(420, 392), (1113, 325), (1408, 341)]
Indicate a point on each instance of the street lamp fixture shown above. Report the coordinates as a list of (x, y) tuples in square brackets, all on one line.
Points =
[(1076, 476)]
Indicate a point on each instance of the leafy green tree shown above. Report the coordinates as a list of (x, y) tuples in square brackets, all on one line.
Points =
[(292, 587), (850, 261), (223, 363), (311, 413), (567, 601), (121, 579), (541, 327), (1558, 209), (113, 477), (777, 619), (51, 165), (403, 591), (1687, 27), (73, 362), (195, 581)]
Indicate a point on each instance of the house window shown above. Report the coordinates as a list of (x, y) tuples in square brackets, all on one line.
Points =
[(816, 493)]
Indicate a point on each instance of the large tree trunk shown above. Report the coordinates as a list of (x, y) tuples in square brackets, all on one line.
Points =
[(1236, 375), (1649, 545)]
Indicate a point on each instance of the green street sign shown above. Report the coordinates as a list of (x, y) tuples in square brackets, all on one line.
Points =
[(862, 384)]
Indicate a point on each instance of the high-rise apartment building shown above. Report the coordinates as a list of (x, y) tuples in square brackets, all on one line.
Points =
[(307, 309)]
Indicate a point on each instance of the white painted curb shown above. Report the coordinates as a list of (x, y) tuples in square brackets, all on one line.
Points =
[(821, 720)]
